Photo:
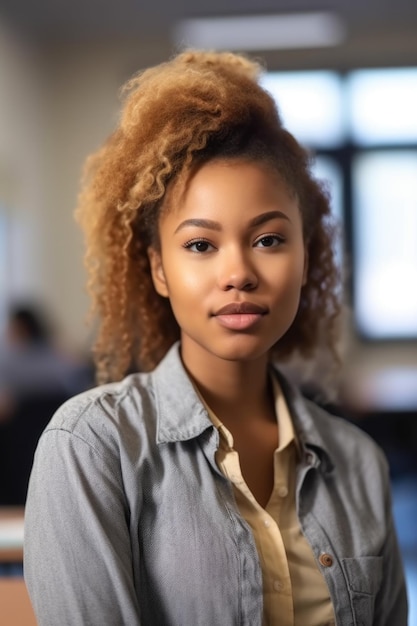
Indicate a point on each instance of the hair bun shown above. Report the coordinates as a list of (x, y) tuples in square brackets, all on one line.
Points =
[(221, 61)]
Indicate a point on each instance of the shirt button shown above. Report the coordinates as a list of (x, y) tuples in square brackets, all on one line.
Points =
[(267, 523), (277, 585), (282, 492), (326, 559)]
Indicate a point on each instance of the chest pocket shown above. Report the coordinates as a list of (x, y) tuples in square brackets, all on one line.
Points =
[(364, 576)]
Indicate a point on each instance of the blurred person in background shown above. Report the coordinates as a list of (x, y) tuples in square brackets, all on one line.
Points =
[(32, 363), (36, 375)]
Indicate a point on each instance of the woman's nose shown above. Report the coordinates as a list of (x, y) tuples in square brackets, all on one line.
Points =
[(236, 272)]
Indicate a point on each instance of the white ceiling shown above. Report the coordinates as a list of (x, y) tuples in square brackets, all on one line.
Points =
[(75, 19), (379, 32)]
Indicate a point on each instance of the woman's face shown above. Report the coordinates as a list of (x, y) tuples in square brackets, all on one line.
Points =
[(232, 261)]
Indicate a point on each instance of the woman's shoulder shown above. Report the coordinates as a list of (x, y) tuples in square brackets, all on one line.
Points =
[(107, 409)]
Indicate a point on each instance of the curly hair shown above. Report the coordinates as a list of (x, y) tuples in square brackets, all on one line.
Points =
[(176, 116)]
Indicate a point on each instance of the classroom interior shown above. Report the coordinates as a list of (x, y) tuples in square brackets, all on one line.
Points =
[(347, 91)]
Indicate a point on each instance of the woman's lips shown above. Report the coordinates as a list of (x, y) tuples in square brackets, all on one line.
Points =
[(239, 315)]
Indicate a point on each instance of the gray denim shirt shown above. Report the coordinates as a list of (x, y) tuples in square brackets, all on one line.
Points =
[(129, 521)]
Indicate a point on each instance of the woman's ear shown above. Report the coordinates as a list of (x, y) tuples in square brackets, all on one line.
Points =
[(157, 272)]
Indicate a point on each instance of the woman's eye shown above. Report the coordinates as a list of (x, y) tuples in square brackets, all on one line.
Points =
[(198, 246), (269, 241)]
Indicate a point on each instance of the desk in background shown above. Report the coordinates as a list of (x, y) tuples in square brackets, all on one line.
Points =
[(16, 609), (11, 534)]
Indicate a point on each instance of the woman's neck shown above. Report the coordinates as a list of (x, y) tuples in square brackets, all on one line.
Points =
[(234, 390)]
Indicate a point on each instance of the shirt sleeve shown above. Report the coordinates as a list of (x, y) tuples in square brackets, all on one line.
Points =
[(77, 554)]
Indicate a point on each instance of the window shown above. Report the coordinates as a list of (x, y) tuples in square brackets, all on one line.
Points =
[(311, 104), (385, 243), (382, 106)]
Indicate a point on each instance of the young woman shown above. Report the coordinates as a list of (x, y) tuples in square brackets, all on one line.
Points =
[(205, 491)]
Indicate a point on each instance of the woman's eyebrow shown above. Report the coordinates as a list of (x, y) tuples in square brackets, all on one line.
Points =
[(202, 223), (266, 217)]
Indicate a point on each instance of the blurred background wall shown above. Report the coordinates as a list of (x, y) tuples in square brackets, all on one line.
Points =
[(22, 164), (57, 103)]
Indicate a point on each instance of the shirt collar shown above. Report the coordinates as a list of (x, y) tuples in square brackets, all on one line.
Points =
[(181, 415), (180, 412), (311, 424)]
